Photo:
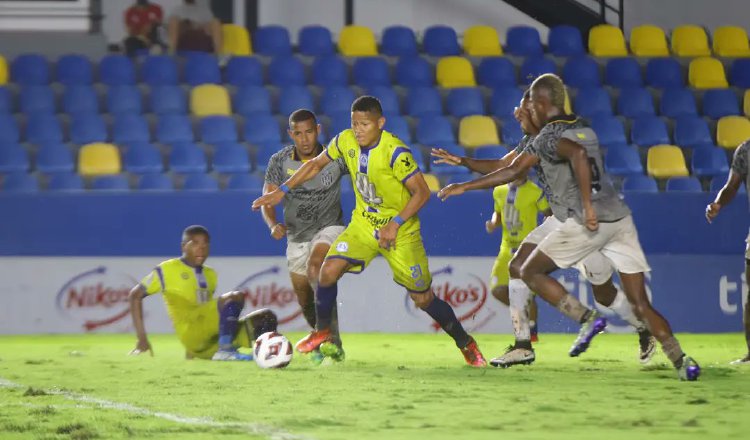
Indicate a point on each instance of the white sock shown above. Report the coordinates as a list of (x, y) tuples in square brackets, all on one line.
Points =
[(520, 296), (622, 308)]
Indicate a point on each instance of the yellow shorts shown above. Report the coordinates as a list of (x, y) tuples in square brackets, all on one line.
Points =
[(500, 272), (198, 331), (408, 259)]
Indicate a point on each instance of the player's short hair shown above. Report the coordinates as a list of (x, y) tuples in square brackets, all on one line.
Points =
[(553, 86), (302, 114), (369, 104), (194, 230)]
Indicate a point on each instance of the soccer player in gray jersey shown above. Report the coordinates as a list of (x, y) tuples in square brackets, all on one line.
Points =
[(737, 175), (312, 213)]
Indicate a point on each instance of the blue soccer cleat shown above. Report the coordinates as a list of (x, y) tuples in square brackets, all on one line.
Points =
[(594, 325), (689, 370)]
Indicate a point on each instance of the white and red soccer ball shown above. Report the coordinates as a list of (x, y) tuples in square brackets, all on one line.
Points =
[(272, 350)]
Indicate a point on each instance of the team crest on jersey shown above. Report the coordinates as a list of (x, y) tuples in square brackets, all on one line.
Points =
[(351, 153), (327, 178), (342, 246), (184, 275), (363, 158)]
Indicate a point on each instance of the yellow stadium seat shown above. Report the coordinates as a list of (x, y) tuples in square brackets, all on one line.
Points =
[(455, 72), (746, 103), (690, 41), (707, 73), (606, 40), (648, 41), (482, 41), (476, 131), (666, 161), (732, 131), (99, 158), (432, 182), (3, 71), (357, 41), (235, 40), (731, 41), (210, 99)]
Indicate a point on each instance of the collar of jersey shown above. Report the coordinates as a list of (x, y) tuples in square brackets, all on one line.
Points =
[(184, 261), (569, 119), (294, 152), (374, 146)]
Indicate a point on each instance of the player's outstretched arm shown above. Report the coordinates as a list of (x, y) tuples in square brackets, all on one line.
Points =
[(518, 167), (579, 161), (136, 296), (481, 166), (306, 172), (725, 196)]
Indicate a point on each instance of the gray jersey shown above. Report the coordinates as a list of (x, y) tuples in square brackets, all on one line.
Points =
[(740, 163), (558, 180), (523, 143), (314, 205)]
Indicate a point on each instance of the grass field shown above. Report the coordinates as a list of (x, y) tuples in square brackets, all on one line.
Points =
[(391, 386)]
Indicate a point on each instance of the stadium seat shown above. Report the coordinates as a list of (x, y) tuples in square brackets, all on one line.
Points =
[(218, 129), (357, 41), (286, 71), (512, 132), (648, 41), (709, 162), (116, 182), (476, 131), (155, 182), (717, 183), (130, 128), (20, 183), (440, 41), (399, 127), (98, 159), (6, 101), (43, 128), (159, 70), (677, 102), (201, 68), (482, 41), (623, 72), (690, 41), (165, 100), (592, 102), (581, 72), (435, 131), (414, 71), (534, 67), (432, 182), (30, 69), (691, 131), (143, 158), (490, 152), (371, 71), (739, 73), (388, 98), (210, 99), (609, 130), (635, 102), (74, 70), (293, 98), (732, 131), (639, 183), (664, 73), (707, 73), (503, 100), (231, 157), (4, 74), (80, 100), (666, 161), (731, 41), (523, 41), (565, 41), (746, 103), (124, 100), (455, 72), (684, 184), (607, 41), (496, 72), (464, 101), (336, 99), (252, 100), (244, 71), (187, 158), (263, 153), (718, 103), (330, 70), (171, 129), (647, 131), (422, 101), (272, 40), (116, 70), (235, 40), (245, 182), (398, 41), (262, 129), (9, 132), (87, 129), (13, 159), (623, 161), (37, 99), (65, 182), (315, 40)]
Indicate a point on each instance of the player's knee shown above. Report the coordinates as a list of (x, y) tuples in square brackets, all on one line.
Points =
[(501, 294), (234, 296), (329, 274), (260, 321), (422, 300), (313, 271), (514, 267), (528, 271)]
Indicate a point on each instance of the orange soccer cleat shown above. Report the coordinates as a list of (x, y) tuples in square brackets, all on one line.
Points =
[(313, 340), (472, 354)]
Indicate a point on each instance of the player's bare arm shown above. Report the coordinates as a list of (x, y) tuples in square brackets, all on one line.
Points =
[(725, 196), (492, 223), (482, 166), (278, 229), (420, 194), (579, 161), (520, 165), (306, 172), (135, 298)]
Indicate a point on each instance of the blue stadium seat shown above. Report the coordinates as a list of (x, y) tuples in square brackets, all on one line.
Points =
[(74, 70), (201, 68), (155, 182), (293, 98), (330, 70), (124, 100), (231, 157), (676, 102), (399, 126), (245, 182), (435, 130), (635, 102), (336, 99), (20, 183), (371, 71), (88, 128), (9, 132), (263, 153), (718, 103), (692, 131), (623, 161), (262, 129), (388, 99), (511, 131), (581, 72), (609, 130), (43, 128), (143, 158), (718, 182), (496, 72), (159, 70), (422, 101), (623, 73), (187, 158), (640, 183), (117, 182), (171, 129), (523, 41), (272, 40), (503, 100), (565, 41), (6, 101), (490, 152), (78, 100), (166, 100), (218, 129), (37, 99), (244, 71), (664, 73), (65, 182), (464, 101), (200, 182), (414, 71), (708, 162), (648, 131), (315, 40), (739, 73), (533, 67), (252, 100), (440, 41), (398, 41), (340, 122), (592, 102), (30, 69), (684, 184), (13, 159), (130, 128), (54, 157), (116, 70), (286, 71)]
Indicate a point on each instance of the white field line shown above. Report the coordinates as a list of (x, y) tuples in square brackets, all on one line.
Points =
[(252, 428)]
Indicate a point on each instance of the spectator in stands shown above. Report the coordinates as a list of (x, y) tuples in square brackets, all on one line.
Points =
[(192, 27), (142, 21)]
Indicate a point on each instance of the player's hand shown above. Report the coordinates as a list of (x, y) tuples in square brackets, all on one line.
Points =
[(445, 157), (387, 235), (271, 199), (589, 217), (490, 226), (142, 346), (454, 189), (278, 231), (712, 210)]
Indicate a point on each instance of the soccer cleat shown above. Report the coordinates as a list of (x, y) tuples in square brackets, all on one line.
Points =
[(313, 340), (594, 325), (647, 346), (472, 354), (689, 370), (743, 361), (332, 351), (514, 356), (233, 355), (316, 357)]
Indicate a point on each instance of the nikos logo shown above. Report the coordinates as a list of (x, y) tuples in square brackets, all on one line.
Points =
[(269, 289), (96, 297)]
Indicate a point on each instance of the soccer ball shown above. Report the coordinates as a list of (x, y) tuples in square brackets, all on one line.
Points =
[(272, 350)]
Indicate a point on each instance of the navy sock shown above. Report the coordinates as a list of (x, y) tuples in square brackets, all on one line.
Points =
[(444, 315), (228, 316), (325, 300)]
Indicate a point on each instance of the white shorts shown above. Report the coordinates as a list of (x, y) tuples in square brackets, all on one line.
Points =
[(747, 248), (297, 253), (542, 231), (617, 241)]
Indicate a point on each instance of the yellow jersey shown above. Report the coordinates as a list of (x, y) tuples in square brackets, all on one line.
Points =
[(519, 208)]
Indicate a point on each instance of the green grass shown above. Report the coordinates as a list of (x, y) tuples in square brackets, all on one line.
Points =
[(391, 386)]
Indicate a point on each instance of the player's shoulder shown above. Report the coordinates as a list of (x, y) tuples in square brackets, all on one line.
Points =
[(209, 271), (744, 147), (345, 138), (170, 264), (283, 153), (500, 191)]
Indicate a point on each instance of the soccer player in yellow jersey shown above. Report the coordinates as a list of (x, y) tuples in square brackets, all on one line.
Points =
[(207, 326), (389, 190)]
